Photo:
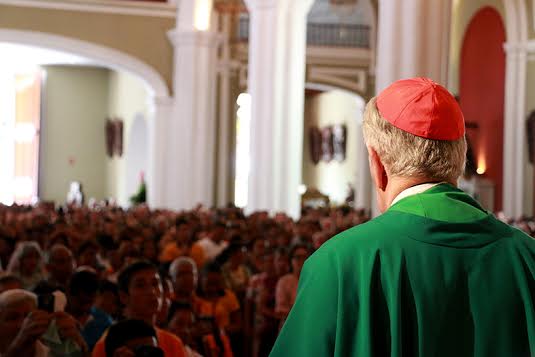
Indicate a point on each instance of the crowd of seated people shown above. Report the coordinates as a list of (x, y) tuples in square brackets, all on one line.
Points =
[(524, 223), (108, 282)]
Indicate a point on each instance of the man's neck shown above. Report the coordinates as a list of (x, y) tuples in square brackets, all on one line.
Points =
[(397, 185), (149, 319), (181, 297)]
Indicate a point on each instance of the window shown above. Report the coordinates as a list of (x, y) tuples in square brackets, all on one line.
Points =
[(20, 105)]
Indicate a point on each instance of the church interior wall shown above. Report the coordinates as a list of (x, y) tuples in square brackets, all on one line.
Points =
[(76, 102), (75, 106), (128, 100), (143, 37), (322, 110)]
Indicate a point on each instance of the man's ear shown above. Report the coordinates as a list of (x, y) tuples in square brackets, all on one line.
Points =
[(377, 169)]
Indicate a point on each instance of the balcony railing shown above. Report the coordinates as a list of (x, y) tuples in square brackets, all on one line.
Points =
[(336, 35)]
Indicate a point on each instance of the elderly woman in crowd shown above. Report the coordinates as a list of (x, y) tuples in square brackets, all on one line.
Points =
[(27, 264), (286, 290)]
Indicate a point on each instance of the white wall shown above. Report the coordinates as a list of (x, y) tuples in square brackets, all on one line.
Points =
[(136, 154), (129, 99), (321, 110), (75, 102)]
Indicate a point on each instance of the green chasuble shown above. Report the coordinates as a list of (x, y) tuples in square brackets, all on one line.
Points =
[(433, 276)]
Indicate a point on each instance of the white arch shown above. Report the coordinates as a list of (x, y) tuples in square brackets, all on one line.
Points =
[(516, 21), (329, 87), (102, 55)]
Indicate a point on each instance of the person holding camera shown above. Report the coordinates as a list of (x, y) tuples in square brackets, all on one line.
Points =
[(23, 325)]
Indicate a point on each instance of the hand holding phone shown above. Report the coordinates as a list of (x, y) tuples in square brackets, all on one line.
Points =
[(45, 302)]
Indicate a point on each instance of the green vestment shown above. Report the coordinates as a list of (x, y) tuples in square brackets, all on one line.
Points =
[(433, 276)]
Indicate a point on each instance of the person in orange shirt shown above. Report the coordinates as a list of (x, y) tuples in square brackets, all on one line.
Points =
[(220, 305), (200, 334), (215, 301), (175, 243), (140, 290)]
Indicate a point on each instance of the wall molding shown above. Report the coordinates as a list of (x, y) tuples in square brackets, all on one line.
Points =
[(101, 55), (139, 8), (345, 56), (351, 79)]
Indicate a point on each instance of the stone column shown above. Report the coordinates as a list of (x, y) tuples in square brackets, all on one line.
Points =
[(226, 117), (276, 82), (413, 40), (191, 131), (514, 150), (161, 109)]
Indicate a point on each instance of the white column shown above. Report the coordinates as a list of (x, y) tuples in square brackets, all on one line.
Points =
[(191, 132), (514, 131), (225, 119), (520, 139), (413, 40), (363, 184), (276, 82), (160, 112)]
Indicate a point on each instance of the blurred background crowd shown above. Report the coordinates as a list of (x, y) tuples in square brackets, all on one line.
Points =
[(221, 281)]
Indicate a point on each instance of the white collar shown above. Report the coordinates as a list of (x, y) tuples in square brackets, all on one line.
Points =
[(414, 190)]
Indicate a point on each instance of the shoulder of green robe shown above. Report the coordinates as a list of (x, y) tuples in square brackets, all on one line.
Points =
[(397, 230), (371, 235)]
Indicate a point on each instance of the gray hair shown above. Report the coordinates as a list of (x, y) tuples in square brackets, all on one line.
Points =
[(23, 249), (17, 296), (408, 155), (173, 268)]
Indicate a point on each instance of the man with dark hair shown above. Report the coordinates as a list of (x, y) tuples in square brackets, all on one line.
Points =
[(108, 299), (141, 292), (87, 254), (127, 337), (81, 296)]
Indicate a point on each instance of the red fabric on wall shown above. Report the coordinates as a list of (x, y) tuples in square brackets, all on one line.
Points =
[(482, 90)]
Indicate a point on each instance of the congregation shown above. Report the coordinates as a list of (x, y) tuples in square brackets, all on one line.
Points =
[(205, 282)]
